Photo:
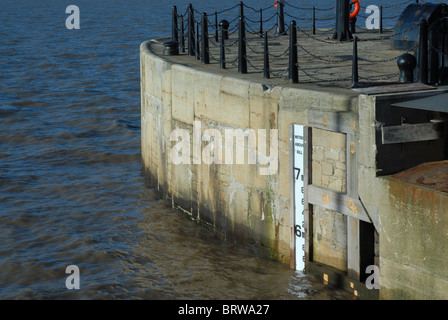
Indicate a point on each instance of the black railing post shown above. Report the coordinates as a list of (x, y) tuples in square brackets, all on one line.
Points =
[(406, 64), (182, 35), (191, 41), (355, 74), (281, 18), (242, 58), (444, 48), (197, 43), (433, 56), (342, 32), (174, 26), (381, 19), (224, 26), (261, 23), (423, 53), (205, 57), (353, 25), (314, 20), (293, 61), (216, 27), (266, 71), (222, 51)]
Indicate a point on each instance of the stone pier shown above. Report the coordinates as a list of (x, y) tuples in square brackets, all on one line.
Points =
[(362, 209)]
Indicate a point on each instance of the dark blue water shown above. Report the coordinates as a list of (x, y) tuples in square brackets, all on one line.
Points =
[(72, 190)]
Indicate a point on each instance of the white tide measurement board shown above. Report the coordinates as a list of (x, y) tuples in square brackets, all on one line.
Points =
[(299, 200)]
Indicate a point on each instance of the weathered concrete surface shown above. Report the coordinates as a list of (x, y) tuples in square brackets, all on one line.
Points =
[(243, 206), (414, 242), (237, 201), (409, 217)]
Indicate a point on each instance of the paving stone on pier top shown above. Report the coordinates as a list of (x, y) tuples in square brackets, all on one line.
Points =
[(322, 61)]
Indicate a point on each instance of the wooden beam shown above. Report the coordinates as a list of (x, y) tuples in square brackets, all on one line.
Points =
[(360, 230), (360, 238), (337, 121), (413, 132), (352, 165), (337, 201), (360, 248), (353, 250), (307, 180)]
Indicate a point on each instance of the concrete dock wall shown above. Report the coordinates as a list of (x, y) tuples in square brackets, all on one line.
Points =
[(244, 206), (414, 247), (237, 201)]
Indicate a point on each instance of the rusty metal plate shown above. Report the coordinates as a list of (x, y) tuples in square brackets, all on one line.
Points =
[(433, 175)]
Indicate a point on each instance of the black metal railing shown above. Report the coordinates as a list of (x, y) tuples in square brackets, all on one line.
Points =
[(225, 29)]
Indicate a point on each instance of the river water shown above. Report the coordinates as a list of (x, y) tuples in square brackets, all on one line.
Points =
[(72, 191)]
